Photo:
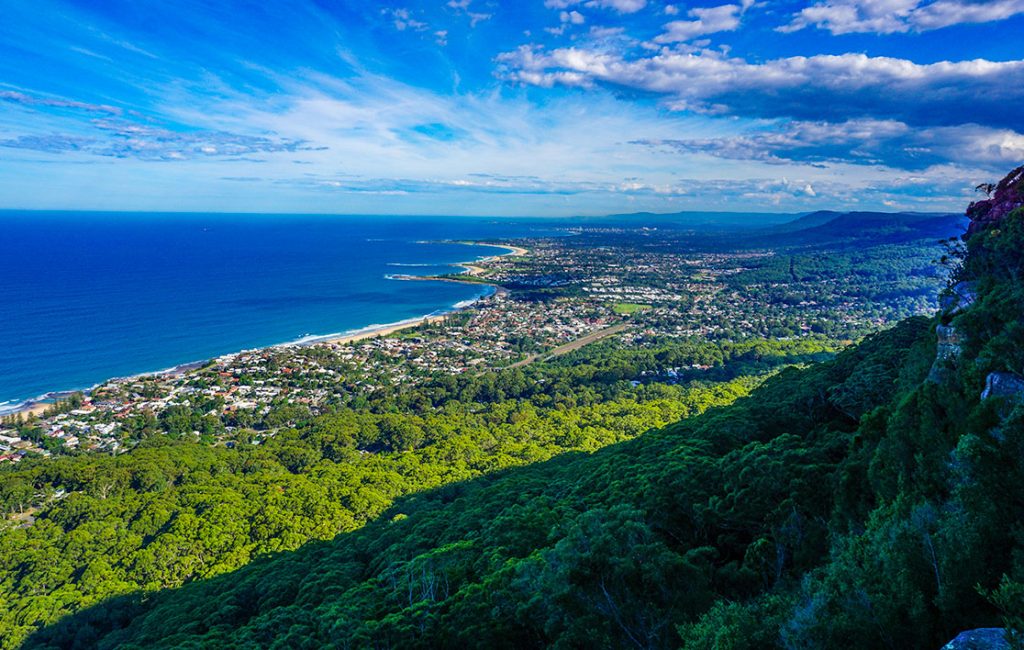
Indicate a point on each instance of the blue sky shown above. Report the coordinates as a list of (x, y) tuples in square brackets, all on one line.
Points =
[(535, 107)]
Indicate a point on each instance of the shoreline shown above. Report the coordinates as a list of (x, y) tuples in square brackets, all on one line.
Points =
[(512, 250), (374, 331), (473, 267), (384, 329), (36, 405)]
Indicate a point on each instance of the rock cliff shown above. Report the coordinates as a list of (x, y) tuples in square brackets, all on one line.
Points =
[(984, 638), (1006, 197)]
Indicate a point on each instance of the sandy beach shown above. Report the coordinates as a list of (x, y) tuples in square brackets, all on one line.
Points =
[(31, 408), (512, 250), (472, 269), (37, 408), (384, 330)]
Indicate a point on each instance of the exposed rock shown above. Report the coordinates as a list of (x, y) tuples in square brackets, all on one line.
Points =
[(947, 347), (1004, 384), (948, 342), (983, 638), (959, 297), (1007, 196)]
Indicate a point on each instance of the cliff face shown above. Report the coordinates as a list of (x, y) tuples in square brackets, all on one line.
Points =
[(947, 351), (982, 340), (980, 311), (1007, 196)]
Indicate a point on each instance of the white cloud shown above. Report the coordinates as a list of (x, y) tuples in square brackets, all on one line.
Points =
[(272, 134), (463, 7), (706, 20), (567, 18), (576, 149), (822, 87), (126, 139), (402, 20), (24, 99), (573, 17), (897, 16), (620, 6), (872, 142)]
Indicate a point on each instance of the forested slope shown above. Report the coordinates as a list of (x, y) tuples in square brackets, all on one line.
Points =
[(614, 548), (82, 528), (871, 501)]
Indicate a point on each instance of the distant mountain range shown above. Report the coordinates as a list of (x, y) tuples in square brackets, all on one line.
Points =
[(854, 228), (728, 220), (813, 228)]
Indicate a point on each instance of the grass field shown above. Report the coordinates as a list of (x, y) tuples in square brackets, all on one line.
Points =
[(625, 308)]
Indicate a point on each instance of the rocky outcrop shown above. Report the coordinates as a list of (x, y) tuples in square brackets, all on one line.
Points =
[(958, 297), (1004, 384), (947, 348), (948, 342), (1006, 197), (983, 638)]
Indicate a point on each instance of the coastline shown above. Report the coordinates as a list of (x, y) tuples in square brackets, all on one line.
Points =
[(512, 250), (374, 331), (29, 408), (36, 405), (473, 268)]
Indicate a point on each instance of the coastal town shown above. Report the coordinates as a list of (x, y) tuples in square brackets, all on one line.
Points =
[(551, 296)]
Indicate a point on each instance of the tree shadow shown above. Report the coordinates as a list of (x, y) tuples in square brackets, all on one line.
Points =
[(475, 528), (318, 568)]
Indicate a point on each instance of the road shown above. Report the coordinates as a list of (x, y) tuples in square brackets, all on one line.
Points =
[(572, 345)]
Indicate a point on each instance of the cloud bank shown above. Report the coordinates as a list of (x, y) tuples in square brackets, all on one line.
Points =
[(477, 106), (900, 16)]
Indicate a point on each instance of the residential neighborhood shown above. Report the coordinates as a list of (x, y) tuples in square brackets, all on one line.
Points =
[(562, 290)]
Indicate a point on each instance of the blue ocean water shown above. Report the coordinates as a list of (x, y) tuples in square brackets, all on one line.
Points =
[(89, 296)]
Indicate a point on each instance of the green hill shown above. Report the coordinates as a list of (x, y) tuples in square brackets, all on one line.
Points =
[(859, 228), (871, 501)]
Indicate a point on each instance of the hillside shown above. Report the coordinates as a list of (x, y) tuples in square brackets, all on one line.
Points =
[(702, 220), (858, 228), (871, 501), (782, 229), (809, 220)]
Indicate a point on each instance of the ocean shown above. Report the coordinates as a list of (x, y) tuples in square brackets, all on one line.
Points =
[(91, 296)]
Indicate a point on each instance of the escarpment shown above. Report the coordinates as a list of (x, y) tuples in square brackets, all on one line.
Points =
[(981, 307)]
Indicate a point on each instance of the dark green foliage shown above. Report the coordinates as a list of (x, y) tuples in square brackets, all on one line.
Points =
[(994, 324), (719, 529), (847, 504), (88, 527)]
